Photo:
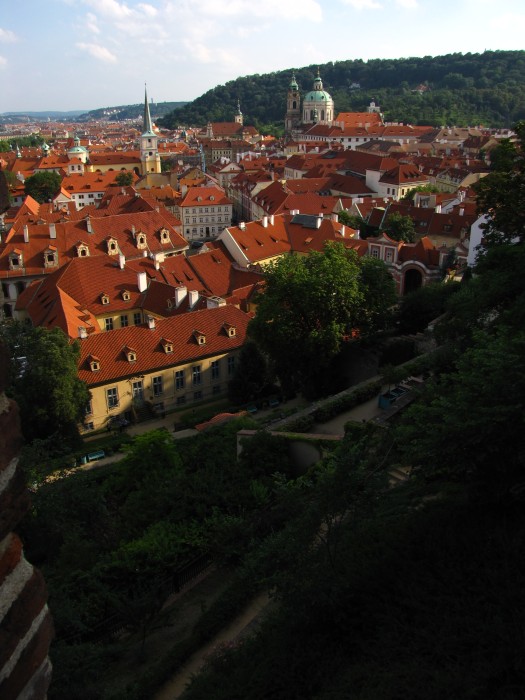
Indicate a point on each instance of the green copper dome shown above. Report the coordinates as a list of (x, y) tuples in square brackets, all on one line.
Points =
[(317, 96)]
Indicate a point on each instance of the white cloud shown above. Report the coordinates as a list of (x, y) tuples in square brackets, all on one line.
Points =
[(110, 8), (509, 21), (407, 4), (3, 62), (148, 9), (363, 4), (98, 52), (91, 23), (7, 36)]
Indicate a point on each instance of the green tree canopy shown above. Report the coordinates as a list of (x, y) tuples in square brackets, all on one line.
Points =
[(309, 306), (251, 376), (44, 381), (43, 186), (400, 228), (501, 195), (124, 178)]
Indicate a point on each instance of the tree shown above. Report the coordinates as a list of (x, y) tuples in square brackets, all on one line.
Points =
[(124, 178), (409, 196), (380, 296), (43, 186), (400, 228), (44, 381), (501, 195), (310, 304), (251, 376)]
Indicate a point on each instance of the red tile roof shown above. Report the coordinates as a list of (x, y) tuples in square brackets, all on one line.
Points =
[(149, 346)]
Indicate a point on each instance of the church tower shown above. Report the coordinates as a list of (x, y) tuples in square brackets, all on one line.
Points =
[(149, 153), (238, 116), (293, 107)]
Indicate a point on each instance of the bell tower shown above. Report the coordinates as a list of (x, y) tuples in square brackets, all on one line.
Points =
[(293, 107), (149, 151)]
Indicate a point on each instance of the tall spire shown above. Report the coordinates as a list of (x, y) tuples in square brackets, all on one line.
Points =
[(148, 129)]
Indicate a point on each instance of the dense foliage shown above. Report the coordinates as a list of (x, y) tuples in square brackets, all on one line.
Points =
[(43, 380), (43, 186), (459, 89), (310, 305)]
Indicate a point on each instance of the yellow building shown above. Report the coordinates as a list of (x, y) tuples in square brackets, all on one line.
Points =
[(162, 365)]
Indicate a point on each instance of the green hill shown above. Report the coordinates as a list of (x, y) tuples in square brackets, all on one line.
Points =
[(122, 112), (460, 90)]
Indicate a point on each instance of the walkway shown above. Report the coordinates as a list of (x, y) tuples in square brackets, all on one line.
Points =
[(175, 687)]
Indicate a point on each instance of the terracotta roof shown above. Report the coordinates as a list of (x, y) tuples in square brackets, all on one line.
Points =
[(149, 347)]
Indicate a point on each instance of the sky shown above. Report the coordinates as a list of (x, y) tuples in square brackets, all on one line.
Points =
[(85, 54)]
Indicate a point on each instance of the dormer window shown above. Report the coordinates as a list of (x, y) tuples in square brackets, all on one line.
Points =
[(16, 259), (82, 250), (94, 363), (231, 331), (104, 299), (167, 346), (199, 337), (164, 235), (51, 257), (141, 240), (126, 296), (131, 354), (112, 246)]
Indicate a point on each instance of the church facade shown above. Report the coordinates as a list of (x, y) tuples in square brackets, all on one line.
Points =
[(317, 106)]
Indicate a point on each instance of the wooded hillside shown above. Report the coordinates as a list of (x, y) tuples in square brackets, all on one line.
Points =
[(458, 89)]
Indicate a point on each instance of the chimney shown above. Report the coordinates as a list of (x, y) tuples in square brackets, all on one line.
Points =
[(52, 231), (461, 211), (121, 261), (193, 298), (26, 234), (438, 209), (144, 253), (151, 323), (343, 231), (265, 221), (133, 230), (318, 222), (334, 217), (271, 219), (157, 264), (242, 226), (180, 295), (142, 281), (89, 225), (82, 332)]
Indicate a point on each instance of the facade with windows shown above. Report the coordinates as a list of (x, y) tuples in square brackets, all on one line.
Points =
[(205, 212), (167, 364)]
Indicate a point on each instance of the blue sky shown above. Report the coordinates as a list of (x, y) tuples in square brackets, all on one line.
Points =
[(84, 54)]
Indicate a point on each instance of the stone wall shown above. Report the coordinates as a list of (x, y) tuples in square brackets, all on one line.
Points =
[(26, 628)]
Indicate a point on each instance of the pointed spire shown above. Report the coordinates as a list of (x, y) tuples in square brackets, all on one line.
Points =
[(239, 107), (147, 127)]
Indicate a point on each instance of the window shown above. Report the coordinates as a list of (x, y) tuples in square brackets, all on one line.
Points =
[(215, 369), (88, 408), (375, 252), (181, 400), (196, 375), (137, 320), (216, 389), (157, 386), (231, 365), (389, 255), (124, 321), (112, 397), (89, 426), (197, 395), (179, 379), (108, 324)]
